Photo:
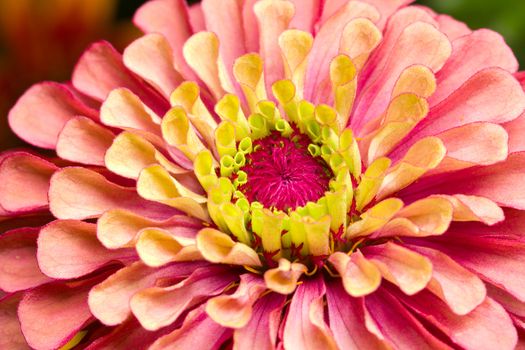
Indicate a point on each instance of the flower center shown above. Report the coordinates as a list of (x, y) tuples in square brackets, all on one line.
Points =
[(282, 174)]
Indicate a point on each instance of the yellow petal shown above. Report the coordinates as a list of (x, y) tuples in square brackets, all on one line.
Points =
[(424, 155), (270, 231), (225, 139), (360, 277), (178, 132), (204, 168), (295, 46), (283, 279), (431, 215), (371, 182), (360, 37), (157, 247), (318, 235), (343, 75), (418, 80), (229, 108), (217, 247), (248, 71), (374, 218)]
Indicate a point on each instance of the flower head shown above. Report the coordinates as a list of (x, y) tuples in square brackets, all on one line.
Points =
[(271, 174)]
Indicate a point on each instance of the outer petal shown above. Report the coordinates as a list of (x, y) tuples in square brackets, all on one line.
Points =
[(348, 323), (198, 331), (79, 193), (486, 327), (261, 332), (64, 304), (18, 264), (305, 327), (24, 182), (70, 249), (42, 112), (10, 334)]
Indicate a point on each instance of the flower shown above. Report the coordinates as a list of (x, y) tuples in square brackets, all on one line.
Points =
[(271, 174)]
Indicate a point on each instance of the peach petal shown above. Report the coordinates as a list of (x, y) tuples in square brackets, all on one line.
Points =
[(348, 324), (474, 208), (486, 144), (130, 153), (431, 215), (42, 112), (375, 218), (426, 46), (157, 247), (360, 37), (11, 336), (64, 304), (169, 18), (283, 279), (416, 79), (124, 110), (109, 300), (273, 17), (198, 331), (218, 247), (119, 228), (481, 49), (84, 141), (295, 46), (100, 70), (70, 249), (201, 51), (18, 264), (423, 156), (410, 271), (261, 331), (24, 182), (158, 307), (360, 277), (326, 44), (151, 58), (79, 193), (305, 327), (399, 327), (487, 327), (462, 297), (235, 310)]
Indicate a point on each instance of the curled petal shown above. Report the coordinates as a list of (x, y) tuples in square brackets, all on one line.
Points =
[(360, 277), (474, 208), (283, 279), (218, 247), (235, 310)]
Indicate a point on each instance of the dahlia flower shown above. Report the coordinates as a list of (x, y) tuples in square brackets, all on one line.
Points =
[(271, 175)]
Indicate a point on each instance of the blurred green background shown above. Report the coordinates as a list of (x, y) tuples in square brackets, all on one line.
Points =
[(504, 16)]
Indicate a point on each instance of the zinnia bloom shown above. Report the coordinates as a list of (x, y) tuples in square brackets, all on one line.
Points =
[(271, 175)]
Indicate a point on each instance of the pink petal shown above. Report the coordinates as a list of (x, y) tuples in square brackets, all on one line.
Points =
[(169, 18), (261, 332), (348, 322), (307, 13), (158, 307), (109, 300), (18, 264), (250, 26), (326, 44), (512, 305), (197, 332), (491, 95), (79, 193), (305, 327), (10, 334), (501, 182), (487, 327), (516, 129), (400, 328), (24, 182), (419, 43), (84, 141), (481, 49), (52, 314), (498, 261), (151, 58), (70, 249), (224, 18), (196, 17), (452, 283), (42, 112), (453, 28), (100, 70)]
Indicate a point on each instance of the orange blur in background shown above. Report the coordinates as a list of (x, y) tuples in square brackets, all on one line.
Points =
[(42, 39)]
